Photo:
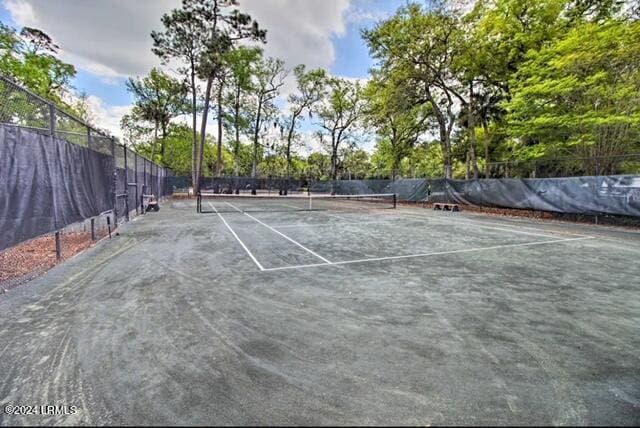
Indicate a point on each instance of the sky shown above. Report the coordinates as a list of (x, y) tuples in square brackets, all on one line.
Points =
[(109, 40)]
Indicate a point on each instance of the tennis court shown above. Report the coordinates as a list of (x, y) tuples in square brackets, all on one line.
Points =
[(274, 311)]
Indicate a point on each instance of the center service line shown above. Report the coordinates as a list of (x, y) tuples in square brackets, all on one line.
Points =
[(280, 233), (236, 236)]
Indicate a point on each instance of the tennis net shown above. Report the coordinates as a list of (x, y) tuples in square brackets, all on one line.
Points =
[(216, 202)]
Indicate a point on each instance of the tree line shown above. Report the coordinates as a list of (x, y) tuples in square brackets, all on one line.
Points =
[(455, 88)]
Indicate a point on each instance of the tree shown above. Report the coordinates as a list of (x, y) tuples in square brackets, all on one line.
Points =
[(269, 78), (309, 86), (356, 164), (339, 114), (419, 47), (319, 166), (30, 58), (224, 28), (158, 98), (579, 95), (136, 131), (241, 63), (395, 118), (184, 38)]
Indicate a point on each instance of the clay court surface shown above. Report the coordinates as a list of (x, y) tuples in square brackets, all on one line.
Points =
[(380, 316)]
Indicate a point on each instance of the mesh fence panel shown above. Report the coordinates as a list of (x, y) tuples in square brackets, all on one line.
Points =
[(71, 129), (21, 108), (563, 167), (132, 187), (100, 143), (58, 171)]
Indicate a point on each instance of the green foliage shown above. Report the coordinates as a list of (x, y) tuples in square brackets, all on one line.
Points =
[(158, 98), (310, 85), (580, 94), (319, 166), (356, 164), (418, 49), (422, 160), (339, 113), (396, 120), (178, 150), (30, 58)]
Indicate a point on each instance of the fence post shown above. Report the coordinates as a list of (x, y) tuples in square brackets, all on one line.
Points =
[(52, 120), (135, 158), (58, 248), (126, 184), (115, 182), (144, 185)]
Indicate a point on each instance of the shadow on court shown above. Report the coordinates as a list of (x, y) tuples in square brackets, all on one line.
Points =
[(378, 316)]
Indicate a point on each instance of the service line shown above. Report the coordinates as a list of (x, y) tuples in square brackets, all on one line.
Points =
[(409, 256), (280, 233)]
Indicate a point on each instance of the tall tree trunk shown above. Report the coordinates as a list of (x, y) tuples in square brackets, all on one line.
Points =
[(334, 164), (467, 167), (445, 132), (445, 144), (195, 173), (487, 139), (163, 142), (289, 139), (471, 123), (155, 140), (236, 146), (219, 164), (203, 125), (256, 132)]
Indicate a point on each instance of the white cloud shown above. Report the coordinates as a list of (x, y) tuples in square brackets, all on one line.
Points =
[(107, 116), (358, 15), (108, 38), (21, 11), (300, 32), (111, 38)]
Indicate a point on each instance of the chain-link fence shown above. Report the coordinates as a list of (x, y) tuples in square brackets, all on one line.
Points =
[(64, 180), (625, 164)]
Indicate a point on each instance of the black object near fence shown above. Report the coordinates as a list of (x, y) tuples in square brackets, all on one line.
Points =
[(56, 170)]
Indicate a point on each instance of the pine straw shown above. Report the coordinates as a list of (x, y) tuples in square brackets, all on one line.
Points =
[(34, 257)]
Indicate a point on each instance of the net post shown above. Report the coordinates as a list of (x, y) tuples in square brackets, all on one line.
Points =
[(395, 199), (93, 229)]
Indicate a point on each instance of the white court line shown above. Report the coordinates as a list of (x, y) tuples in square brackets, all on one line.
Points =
[(557, 232), (466, 250), (280, 233), (547, 234), (236, 236), (279, 226)]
